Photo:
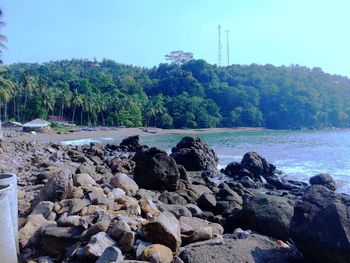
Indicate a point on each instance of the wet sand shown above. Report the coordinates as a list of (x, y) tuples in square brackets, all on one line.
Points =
[(112, 133)]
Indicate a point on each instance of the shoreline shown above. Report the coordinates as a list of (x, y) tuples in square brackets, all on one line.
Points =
[(113, 133)]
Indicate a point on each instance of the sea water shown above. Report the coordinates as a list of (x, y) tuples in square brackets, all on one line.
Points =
[(298, 154)]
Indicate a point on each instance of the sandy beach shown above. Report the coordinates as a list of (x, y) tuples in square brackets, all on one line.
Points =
[(111, 133)]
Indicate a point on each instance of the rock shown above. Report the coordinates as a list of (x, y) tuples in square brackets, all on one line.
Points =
[(246, 181), (320, 226), (195, 229), (119, 228), (126, 242), (194, 155), (207, 202), (96, 149), (122, 165), (232, 169), (323, 179), (98, 227), (111, 254), (55, 240), (97, 197), (125, 183), (97, 245), (45, 260), (76, 205), (86, 168), (254, 249), (117, 192), (194, 209), (157, 253), (176, 210), (83, 180), (155, 170), (165, 230), (44, 208), (172, 198), (241, 234), (131, 143), (65, 220), (57, 187), (30, 233), (269, 215), (257, 165)]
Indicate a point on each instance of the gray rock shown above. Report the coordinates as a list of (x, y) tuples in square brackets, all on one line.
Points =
[(57, 187), (176, 210), (124, 182), (325, 180), (97, 245), (207, 202), (118, 229), (269, 215), (194, 155), (111, 254), (83, 180), (165, 230), (172, 198), (55, 240), (320, 225), (44, 208), (76, 205), (257, 165), (254, 249), (155, 169)]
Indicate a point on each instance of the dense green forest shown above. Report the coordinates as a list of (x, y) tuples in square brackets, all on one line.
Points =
[(194, 94)]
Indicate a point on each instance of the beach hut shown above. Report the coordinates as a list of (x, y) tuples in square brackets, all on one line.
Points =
[(37, 125), (12, 125)]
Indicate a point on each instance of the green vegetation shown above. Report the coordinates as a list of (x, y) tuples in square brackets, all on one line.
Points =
[(194, 94)]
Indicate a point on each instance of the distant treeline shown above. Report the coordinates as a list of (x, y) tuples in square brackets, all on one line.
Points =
[(193, 95)]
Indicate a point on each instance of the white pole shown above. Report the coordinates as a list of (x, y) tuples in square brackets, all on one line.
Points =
[(8, 253), (12, 195)]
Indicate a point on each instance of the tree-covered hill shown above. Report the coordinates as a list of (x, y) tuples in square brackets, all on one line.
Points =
[(194, 95)]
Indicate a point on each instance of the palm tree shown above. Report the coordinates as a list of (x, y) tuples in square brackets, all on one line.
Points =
[(6, 92), (77, 101)]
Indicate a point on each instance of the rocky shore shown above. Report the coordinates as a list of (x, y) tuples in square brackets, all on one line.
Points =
[(134, 203)]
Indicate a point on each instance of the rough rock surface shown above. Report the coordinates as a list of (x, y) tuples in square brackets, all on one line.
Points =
[(125, 183), (254, 249), (155, 169), (194, 154), (269, 215), (57, 187), (165, 230), (320, 225), (257, 165), (323, 179)]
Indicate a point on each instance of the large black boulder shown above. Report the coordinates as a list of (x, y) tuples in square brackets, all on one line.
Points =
[(257, 165), (194, 154), (155, 169), (268, 215), (323, 179), (131, 143), (320, 226)]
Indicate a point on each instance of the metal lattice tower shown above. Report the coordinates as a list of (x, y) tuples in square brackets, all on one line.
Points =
[(219, 47), (227, 47)]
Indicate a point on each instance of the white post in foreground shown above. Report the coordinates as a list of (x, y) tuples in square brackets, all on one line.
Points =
[(8, 253), (12, 196)]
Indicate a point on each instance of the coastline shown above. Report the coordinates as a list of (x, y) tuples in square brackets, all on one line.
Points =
[(113, 133)]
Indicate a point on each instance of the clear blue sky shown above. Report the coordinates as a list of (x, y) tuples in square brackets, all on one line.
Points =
[(141, 32)]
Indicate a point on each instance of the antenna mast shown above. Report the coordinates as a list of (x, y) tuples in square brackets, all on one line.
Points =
[(219, 47), (227, 47)]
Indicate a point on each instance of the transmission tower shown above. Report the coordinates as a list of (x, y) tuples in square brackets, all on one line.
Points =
[(227, 47), (219, 47)]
